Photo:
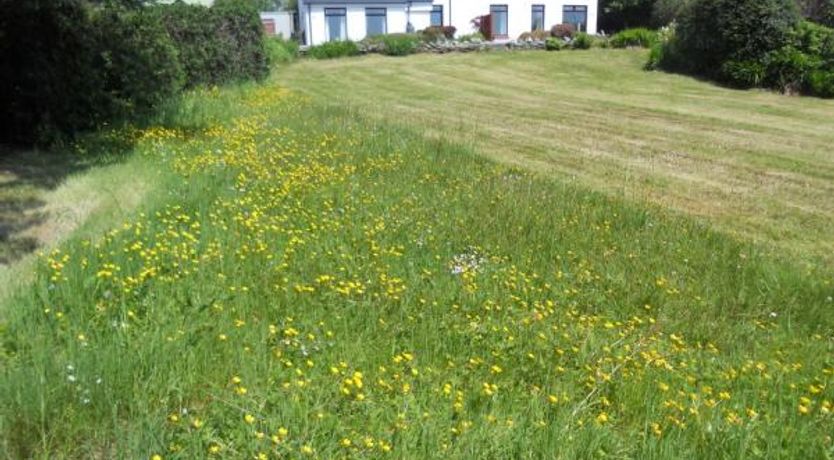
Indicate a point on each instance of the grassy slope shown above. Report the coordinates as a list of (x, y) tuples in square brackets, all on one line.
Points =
[(46, 198), (752, 163), (313, 283)]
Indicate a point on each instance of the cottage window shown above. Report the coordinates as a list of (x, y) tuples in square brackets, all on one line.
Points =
[(538, 17), (375, 21), (576, 15), (499, 20), (437, 15), (336, 23)]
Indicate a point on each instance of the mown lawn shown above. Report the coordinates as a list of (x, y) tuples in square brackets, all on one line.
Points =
[(752, 163), (308, 281)]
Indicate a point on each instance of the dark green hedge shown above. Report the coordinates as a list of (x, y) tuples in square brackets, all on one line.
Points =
[(217, 45), (72, 65), (750, 43)]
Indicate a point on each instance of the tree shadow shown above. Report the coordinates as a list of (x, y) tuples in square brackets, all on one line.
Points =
[(25, 176)]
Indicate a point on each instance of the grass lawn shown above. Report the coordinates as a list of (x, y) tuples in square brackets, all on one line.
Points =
[(47, 196), (752, 163), (308, 279)]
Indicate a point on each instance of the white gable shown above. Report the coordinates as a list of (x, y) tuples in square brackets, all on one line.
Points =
[(322, 20)]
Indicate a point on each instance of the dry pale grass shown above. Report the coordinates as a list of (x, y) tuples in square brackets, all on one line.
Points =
[(755, 164), (45, 198)]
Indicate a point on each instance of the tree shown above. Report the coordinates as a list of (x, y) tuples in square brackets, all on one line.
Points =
[(714, 33), (277, 5), (667, 11), (622, 14)]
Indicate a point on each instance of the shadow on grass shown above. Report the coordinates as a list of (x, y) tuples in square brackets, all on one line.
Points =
[(27, 175)]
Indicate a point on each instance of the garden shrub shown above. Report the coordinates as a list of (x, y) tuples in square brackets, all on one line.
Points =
[(280, 51), (750, 44), (240, 36), (399, 44), (437, 33), (665, 12), (815, 39), (217, 45), (827, 17), (73, 66), (48, 72), (821, 83), (639, 37), (582, 41), (788, 69), (191, 27), (332, 50), (563, 31), (483, 24), (745, 74), (554, 44), (656, 56), (139, 62), (664, 53), (712, 32), (473, 37)]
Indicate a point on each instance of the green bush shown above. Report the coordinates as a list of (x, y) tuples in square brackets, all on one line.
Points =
[(713, 32), (73, 66), (240, 36), (49, 71), (664, 12), (192, 28), (473, 37), (399, 44), (139, 62), (281, 51), (331, 50), (797, 59), (828, 14), (582, 41), (821, 83), (745, 74), (640, 37), (217, 45), (788, 69), (815, 39), (554, 44)]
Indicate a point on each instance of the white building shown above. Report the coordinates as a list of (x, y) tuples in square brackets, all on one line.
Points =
[(278, 23), (321, 21)]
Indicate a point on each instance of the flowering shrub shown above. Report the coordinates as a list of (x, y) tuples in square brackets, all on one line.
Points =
[(563, 31)]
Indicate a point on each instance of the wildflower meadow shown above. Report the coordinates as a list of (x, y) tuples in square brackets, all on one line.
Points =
[(306, 282)]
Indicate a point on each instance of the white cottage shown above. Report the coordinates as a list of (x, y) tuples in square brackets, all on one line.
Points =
[(321, 21)]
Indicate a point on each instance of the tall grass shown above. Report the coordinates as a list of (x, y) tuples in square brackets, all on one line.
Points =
[(312, 283)]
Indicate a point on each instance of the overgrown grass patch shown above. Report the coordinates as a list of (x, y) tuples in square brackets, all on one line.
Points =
[(315, 283)]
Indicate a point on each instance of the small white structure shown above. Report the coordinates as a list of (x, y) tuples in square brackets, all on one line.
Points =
[(322, 21), (278, 23)]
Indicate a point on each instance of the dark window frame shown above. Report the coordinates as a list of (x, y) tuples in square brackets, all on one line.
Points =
[(576, 9), (376, 14), (537, 8), (434, 10), (335, 12), (497, 8)]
